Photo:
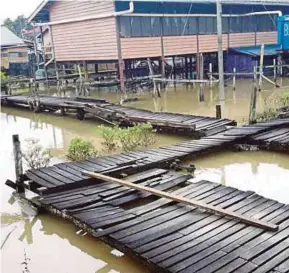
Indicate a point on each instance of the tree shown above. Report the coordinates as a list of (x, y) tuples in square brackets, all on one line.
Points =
[(18, 25)]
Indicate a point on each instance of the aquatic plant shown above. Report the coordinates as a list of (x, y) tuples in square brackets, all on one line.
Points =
[(110, 138), (80, 149), (35, 156), (128, 139), (273, 106)]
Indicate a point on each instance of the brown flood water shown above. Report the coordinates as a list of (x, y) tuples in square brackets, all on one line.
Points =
[(54, 245)]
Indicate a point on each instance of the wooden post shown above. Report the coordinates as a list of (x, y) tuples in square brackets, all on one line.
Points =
[(220, 51), (218, 111), (18, 163), (255, 74), (252, 114), (184, 200), (234, 78), (186, 68), (163, 71), (191, 67), (174, 67), (95, 68), (85, 70), (202, 97), (120, 59), (261, 67), (210, 74), (275, 70)]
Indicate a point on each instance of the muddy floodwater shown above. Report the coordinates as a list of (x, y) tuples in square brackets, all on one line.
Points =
[(47, 244)]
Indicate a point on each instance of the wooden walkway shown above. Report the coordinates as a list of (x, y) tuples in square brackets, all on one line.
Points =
[(170, 237), (277, 139), (68, 175), (196, 126)]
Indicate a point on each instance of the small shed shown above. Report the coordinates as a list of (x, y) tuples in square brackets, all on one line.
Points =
[(245, 58)]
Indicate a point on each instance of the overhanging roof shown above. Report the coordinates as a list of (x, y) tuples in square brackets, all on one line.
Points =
[(41, 13), (8, 38), (255, 51)]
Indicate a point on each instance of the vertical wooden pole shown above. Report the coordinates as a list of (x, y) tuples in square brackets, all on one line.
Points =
[(53, 48), (234, 78), (218, 111), (120, 59), (210, 74), (191, 67), (18, 163), (275, 70), (84, 63), (162, 49), (252, 115), (174, 67), (186, 68), (35, 49), (220, 51), (95, 68), (202, 97), (261, 67)]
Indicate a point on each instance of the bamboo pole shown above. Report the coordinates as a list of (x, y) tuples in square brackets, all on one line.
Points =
[(186, 201)]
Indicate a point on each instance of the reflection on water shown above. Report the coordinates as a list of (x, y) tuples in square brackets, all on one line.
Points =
[(55, 245), (263, 172)]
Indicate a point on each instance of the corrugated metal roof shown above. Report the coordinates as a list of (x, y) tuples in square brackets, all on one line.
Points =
[(255, 51), (8, 38)]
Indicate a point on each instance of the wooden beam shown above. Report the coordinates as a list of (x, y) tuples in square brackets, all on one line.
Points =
[(186, 201)]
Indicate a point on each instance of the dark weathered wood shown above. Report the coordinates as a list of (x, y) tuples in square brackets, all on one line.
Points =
[(186, 201)]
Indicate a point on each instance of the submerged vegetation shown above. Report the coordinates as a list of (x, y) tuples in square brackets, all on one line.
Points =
[(113, 139), (128, 139), (80, 149), (35, 156)]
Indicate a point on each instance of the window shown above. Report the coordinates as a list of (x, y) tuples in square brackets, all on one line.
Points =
[(136, 29), (22, 54), (125, 27), (156, 26), (207, 25), (4, 54), (17, 54), (193, 25), (146, 26)]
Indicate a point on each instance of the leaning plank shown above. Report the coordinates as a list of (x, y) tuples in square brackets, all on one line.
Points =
[(191, 202)]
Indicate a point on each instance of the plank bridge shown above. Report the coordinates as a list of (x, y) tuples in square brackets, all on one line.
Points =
[(114, 114), (166, 235)]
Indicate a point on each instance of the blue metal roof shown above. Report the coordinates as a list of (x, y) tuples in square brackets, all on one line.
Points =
[(255, 51)]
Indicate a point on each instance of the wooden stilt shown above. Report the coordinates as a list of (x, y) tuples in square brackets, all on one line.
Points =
[(252, 115), (202, 97), (275, 70), (261, 67), (18, 163), (218, 111), (210, 74), (234, 78)]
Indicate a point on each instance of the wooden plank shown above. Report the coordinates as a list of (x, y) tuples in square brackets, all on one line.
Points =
[(186, 201)]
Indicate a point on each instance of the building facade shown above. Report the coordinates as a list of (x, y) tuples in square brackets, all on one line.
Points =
[(117, 31)]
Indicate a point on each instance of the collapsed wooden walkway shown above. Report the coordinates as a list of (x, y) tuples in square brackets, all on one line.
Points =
[(68, 175), (196, 126), (277, 139), (165, 235), (170, 237)]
